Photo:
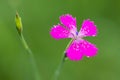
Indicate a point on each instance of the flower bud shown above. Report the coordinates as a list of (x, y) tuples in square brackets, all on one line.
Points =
[(18, 23)]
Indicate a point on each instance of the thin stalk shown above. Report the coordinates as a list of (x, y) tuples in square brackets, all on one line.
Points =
[(57, 72), (31, 57)]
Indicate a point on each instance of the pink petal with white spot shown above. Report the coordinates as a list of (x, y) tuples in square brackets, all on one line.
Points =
[(88, 48), (88, 28), (59, 32), (78, 49), (68, 21), (74, 51)]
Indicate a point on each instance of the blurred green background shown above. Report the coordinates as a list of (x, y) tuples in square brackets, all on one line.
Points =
[(38, 16)]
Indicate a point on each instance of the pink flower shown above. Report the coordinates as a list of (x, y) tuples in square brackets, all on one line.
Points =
[(78, 47)]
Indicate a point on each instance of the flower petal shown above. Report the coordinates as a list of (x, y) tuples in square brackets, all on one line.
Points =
[(78, 49), (68, 21), (88, 28), (88, 48), (74, 51), (59, 32)]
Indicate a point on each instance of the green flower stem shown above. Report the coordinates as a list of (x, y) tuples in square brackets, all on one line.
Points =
[(19, 28), (57, 72), (31, 57)]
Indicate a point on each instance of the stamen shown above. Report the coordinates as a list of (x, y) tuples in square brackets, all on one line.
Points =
[(76, 33)]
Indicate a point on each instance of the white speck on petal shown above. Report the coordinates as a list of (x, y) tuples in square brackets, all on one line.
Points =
[(88, 56)]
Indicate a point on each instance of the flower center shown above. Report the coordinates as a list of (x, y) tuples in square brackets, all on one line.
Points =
[(75, 35), (76, 32)]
